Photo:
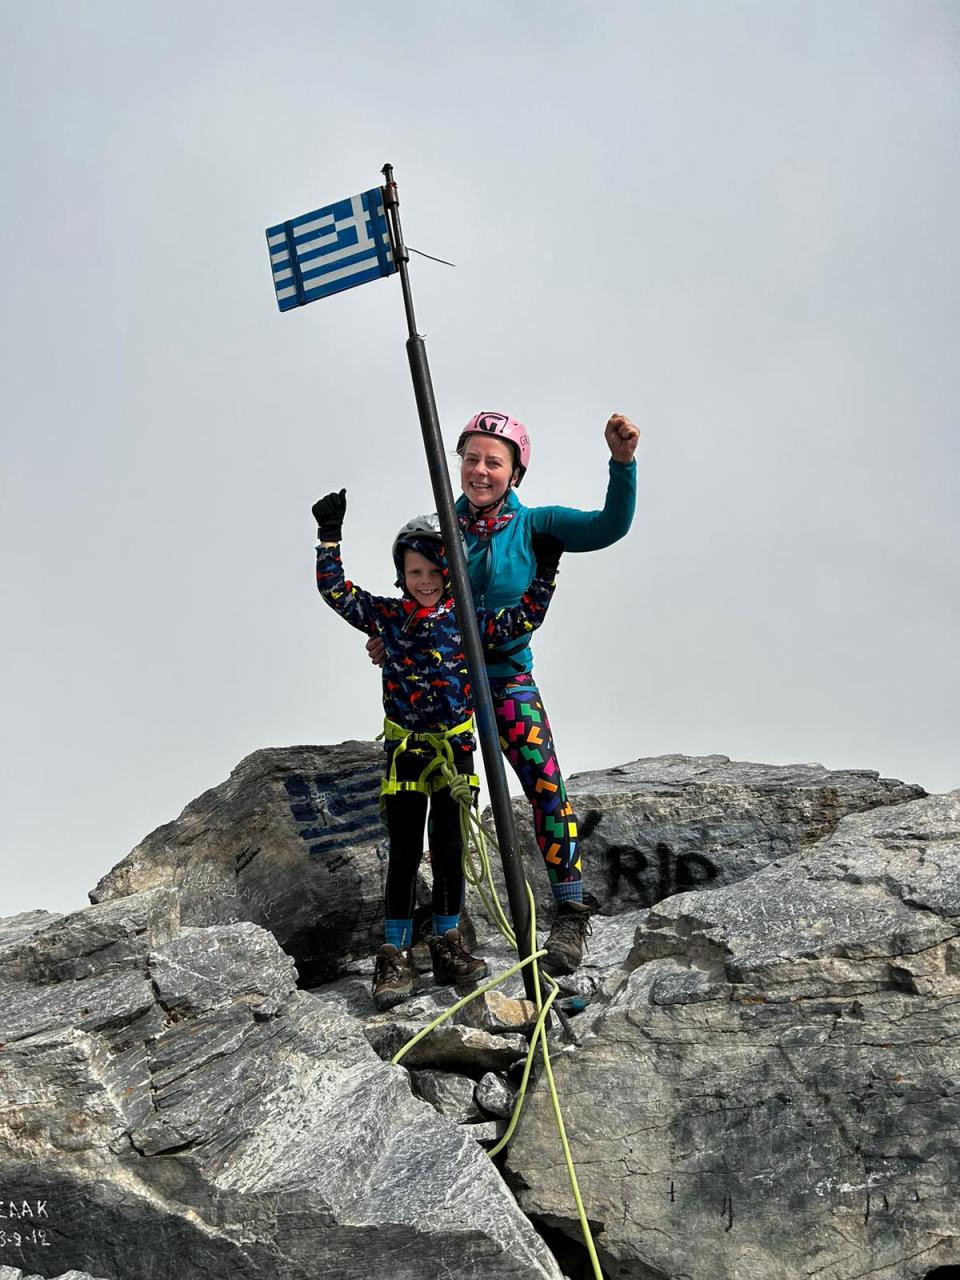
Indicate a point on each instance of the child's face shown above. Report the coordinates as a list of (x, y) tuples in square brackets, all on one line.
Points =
[(422, 578)]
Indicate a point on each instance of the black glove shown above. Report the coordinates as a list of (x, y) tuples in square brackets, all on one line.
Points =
[(328, 513), (547, 551)]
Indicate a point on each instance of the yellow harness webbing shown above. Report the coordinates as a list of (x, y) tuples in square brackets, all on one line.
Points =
[(439, 770)]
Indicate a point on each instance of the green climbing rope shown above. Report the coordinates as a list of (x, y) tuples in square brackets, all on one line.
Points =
[(476, 870)]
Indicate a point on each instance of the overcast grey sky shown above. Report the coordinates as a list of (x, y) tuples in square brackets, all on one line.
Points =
[(734, 221)]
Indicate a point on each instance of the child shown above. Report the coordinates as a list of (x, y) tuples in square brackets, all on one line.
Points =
[(429, 718)]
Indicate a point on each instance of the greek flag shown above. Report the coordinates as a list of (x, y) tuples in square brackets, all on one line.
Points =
[(320, 253)]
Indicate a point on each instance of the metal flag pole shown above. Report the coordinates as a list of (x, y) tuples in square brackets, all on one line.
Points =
[(462, 594)]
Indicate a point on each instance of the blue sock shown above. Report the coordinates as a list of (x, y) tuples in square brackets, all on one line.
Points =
[(442, 923), (570, 891), (399, 932)]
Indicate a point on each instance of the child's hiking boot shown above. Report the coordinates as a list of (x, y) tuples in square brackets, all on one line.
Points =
[(394, 976), (567, 938), (453, 965), (421, 957), (419, 948)]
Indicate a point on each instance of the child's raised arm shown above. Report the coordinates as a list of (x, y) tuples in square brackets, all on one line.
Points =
[(356, 606), (507, 624)]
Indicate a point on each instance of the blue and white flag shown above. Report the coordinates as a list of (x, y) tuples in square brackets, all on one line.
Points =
[(335, 248)]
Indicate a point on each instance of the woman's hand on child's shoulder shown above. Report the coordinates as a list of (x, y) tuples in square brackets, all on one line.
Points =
[(376, 650), (547, 550)]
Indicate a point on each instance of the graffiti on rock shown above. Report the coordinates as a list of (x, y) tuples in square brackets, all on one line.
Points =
[(245, 857), (648, 875), (333, 812)]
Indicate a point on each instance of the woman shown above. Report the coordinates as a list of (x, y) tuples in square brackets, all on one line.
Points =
[(494, 452)]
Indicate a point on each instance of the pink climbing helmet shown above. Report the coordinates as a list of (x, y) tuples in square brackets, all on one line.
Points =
[(499, 424)]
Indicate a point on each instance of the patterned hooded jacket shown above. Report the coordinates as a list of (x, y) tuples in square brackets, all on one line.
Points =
[(426, 685)]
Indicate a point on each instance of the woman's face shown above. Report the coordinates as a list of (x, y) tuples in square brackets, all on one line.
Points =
[(486, 469)]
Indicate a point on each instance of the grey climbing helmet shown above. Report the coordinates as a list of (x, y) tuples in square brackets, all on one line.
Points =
[(422, 534)]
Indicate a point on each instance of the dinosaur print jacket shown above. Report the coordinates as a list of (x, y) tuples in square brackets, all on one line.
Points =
[(426, 685)]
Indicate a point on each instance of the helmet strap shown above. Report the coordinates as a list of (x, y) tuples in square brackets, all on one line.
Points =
[(491, 508)]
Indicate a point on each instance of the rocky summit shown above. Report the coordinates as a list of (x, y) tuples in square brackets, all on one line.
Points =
[(291, 841), (756, 1062), (669, 824), (772, 1091)]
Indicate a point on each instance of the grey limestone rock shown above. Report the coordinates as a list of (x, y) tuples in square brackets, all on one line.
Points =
[(772, 1093), (13, 928), (450, 1046), (448, 1093), (487, 1132), (87, 970), (668, 824), (496, 1095), (203, 969), (496, 1012), (96, 940), (762, 1085), (188, 1109), (13, 1273), (292, 841)]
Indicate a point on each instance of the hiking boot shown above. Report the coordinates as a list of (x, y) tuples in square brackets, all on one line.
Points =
[(567, 938), (393, 976), (419, 948), (421, 957), (452, 964)]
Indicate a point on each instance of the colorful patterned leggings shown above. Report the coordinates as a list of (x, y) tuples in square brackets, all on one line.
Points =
[(527, 742)]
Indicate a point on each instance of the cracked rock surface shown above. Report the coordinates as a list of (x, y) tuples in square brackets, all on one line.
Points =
[(291, 841), (14, 1273), (669, 824), (773, 1091), (178, 1106), (762, 1085)]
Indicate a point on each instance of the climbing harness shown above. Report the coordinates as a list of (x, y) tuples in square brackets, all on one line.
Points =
[(439, 769), (439, 773)]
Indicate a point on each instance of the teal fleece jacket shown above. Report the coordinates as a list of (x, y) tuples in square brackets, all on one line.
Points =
[(501, 567)]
